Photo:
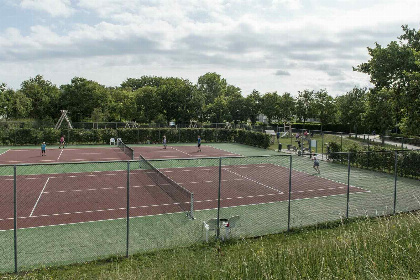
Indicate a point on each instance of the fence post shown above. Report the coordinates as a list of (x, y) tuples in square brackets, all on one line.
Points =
[(15, 217), (341, 142), (348, 185), (128, 209), (395, 181), (290, 191), (218, 198)]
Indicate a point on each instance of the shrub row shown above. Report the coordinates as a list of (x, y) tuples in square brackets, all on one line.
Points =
[(408, 162), (31, 136)]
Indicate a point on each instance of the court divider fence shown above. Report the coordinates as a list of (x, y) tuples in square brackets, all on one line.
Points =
[(53, 214)]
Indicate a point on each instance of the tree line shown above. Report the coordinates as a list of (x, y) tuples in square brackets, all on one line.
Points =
[(393, 102)]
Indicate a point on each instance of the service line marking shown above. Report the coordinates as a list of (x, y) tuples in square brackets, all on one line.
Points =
[(39, 197)]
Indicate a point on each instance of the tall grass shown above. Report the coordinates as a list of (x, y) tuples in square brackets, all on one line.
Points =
[(381, 248)]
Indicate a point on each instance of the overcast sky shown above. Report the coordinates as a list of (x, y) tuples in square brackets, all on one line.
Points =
[(278, 45)]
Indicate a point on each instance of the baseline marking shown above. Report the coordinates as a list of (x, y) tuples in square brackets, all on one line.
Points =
[(181, 151)]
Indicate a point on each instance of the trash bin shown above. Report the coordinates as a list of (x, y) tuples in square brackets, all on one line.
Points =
[(280, 146)]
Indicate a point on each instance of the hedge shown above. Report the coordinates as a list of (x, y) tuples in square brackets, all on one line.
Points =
[(32, 136), (408, 162)]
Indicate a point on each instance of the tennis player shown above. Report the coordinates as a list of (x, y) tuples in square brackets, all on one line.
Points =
[(62, 142), (316, 164), (43, 149), (199, 143), (164, 141)]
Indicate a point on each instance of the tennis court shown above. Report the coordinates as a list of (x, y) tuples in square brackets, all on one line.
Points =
[(74, 154), (77, 211), (53, 199)]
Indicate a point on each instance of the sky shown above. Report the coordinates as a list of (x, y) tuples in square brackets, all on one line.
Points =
[(278, 45)]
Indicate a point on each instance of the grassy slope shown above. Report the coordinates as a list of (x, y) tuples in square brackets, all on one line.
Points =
[(382, 248)]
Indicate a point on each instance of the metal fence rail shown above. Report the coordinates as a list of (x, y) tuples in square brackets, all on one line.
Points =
[(53, 214)]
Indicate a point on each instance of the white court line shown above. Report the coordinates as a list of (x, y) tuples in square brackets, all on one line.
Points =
[(4, 152), (60, 154), (259, 183), (181, 151), (39, 197)]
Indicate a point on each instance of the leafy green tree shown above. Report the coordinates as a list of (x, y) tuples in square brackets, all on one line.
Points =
[(82, 96), (236, 104), (17, 105), (352, 107), (379, 110), (396, 67), (218, 110), (144, 81), (304, 108), (253, 105), (269, 106), (44, 95), (180, 100), (325, 107), (3, 104), (212, 86), (123, 104), (286, 107), (149, 104)]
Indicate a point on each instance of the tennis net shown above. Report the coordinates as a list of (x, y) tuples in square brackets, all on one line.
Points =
[(127, 150), (182, 197)]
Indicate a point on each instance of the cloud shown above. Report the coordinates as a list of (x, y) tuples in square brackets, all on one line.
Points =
[(56, 8), (282, 73)]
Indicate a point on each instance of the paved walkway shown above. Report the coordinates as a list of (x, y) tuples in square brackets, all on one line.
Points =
[(378, 139)]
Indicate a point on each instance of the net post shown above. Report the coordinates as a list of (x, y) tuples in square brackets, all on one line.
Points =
[(348, 185), (395, 181), (128, 209), (290, 192), (15, 218)]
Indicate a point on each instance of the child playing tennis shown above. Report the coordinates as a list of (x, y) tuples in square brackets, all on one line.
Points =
[(62, 142), (199, 143), (316, 164), (43, 148), (164, 141)]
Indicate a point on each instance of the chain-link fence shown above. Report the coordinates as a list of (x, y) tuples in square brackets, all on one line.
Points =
[(54, 214)]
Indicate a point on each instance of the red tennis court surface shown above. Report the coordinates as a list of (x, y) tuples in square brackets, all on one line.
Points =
[(19, 156), (53, 199)]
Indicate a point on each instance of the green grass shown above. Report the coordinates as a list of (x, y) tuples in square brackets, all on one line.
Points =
[(347, 143), (383, 248)]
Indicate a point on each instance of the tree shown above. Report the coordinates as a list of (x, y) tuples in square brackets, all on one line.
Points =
[(217, 111), (212, 86), (269, 106), (352, 107), (82, 96), (149, 104), (123, 104), (379, 110), (286, 107), (236, 104), (325, 108), (305, 105), (180, 100), (396, 67), (44, 95), (144, 81), (17, 105), (253, 105)]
